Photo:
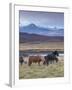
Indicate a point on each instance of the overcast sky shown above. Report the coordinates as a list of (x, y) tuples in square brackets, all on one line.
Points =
[(43, 19)]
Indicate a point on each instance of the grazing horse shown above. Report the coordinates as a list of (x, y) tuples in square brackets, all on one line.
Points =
[(21, 60), (34, 59), (51, 58)]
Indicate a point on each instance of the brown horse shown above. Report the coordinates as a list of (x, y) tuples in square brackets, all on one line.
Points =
[(34, 59)]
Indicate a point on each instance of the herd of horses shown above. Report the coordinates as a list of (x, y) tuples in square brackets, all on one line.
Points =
[(50, 58)]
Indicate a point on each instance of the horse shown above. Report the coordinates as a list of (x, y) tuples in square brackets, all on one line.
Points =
[(21, 60), (50, 58), (34, 59)]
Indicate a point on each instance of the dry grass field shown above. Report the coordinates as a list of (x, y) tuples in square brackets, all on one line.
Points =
[(42, 46), (36, 71)]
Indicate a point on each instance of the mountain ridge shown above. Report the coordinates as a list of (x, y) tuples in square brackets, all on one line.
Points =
[(26, 37), (32, 28)]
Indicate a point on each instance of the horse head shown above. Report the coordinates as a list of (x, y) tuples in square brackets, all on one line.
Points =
[(56, 53)]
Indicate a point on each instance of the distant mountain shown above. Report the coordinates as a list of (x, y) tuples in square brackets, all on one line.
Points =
[(26, 37), (33, 29)]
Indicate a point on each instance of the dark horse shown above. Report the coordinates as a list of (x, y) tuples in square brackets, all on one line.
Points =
[(21, 60), (50, 58), (34, 59)]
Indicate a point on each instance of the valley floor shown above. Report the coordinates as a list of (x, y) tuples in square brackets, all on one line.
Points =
[(36, 71), (42, 46)]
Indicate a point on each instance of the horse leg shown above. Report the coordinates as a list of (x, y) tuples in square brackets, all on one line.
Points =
[(29, 64), (56, 60), (50, 61), (47, 63), (39, 63), (44, 62)]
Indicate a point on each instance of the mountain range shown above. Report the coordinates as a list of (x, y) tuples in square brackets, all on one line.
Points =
[(34, 38), (34, 29), (35, 34)]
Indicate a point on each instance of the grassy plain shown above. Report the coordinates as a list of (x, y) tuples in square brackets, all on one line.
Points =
[(42, 46), (36, 71)]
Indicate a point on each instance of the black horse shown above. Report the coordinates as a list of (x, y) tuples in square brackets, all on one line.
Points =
[(50, 58), (21, 60)]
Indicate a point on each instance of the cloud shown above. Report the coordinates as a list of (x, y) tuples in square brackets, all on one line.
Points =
[(44, 19)]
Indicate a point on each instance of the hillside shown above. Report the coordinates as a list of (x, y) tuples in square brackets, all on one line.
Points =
[(26, 37)]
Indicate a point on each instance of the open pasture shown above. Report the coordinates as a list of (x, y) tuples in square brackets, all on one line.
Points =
[(45, 46), (42, 71)]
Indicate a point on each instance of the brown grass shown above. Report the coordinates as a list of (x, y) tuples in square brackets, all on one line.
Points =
[(36, 71), (42, 46)]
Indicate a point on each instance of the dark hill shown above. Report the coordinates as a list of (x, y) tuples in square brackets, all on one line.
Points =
[(26, 37)]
